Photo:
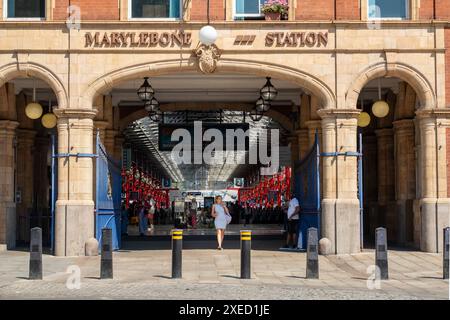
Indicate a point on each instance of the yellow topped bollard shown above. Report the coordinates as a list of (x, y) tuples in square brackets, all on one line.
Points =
[(246, 247), (177, 249)]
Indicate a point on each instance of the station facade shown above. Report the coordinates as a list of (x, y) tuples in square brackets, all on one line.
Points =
[(331, 49)]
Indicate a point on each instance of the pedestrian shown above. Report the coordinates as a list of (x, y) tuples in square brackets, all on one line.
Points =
[(151, 212), (221, 218), (143, 223), (293, 216)]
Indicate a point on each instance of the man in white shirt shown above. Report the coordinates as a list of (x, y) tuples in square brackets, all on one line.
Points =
[(293, 216)]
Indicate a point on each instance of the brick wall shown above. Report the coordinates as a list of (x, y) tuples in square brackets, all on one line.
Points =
[(315, 10), (448, 162), (216, 10), (442, 9), (426, 10), (90, 10), (447, 67), (348, 10)]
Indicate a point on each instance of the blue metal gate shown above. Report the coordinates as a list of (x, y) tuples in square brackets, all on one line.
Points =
[(108, 195), (307, 188)]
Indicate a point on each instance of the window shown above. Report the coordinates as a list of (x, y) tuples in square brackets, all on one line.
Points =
[(155, 9), (388, 9), (23, 9), (247, 9)]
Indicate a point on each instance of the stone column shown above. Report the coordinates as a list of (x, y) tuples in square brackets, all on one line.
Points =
[(434, 202), (24, 178), (405, 178), (386, 210), (110, 141), (303, 143), (74, 221), (7, 192), (42, 180), (370, 180), (118, 144), (340, 221), (313, 127)]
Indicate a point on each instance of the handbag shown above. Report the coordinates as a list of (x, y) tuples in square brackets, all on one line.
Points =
[(228, 218)]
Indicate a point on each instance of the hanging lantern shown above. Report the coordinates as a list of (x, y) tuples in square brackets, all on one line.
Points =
[(208, 35), (363, 119), (256, 115), (152, 105), (262, 105), (268, 92), (145, 92), (34, 110), (155, 116), (49, 119), (380, 108)]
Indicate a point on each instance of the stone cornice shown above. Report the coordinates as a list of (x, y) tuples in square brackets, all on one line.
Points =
[(237, 24), (75, 113), (433, 113), (8, 125), (339, 113)]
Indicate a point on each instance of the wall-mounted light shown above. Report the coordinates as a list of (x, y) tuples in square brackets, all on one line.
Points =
[(208, 35)]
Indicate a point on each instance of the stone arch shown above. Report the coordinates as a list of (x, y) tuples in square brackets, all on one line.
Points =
[(311, 84), (283, 120), (31, 69), (402, 71)]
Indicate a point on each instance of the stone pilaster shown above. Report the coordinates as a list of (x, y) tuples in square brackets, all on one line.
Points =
[(74, 221), (340, 221), (7, 192), (370, 186), (110, 141), (118, 145), (434, 202), (405, 179), (42, 180), (386, 210), (303, 143), (24, 178), (313, 127)]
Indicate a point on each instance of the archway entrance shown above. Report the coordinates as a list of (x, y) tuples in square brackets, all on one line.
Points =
[(216, 101), (26, 158), (391, 153)]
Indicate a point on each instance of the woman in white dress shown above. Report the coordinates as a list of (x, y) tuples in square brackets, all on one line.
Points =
[(219, 212)]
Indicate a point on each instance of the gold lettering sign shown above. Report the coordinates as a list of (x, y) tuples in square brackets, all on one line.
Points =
[(297, 39), (142, 39)]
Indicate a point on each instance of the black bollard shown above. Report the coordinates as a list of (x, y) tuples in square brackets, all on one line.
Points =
[(106, 265), (246, 248), (177, 251), (312, 255), (446, 251), (381, 254), (36, 254)]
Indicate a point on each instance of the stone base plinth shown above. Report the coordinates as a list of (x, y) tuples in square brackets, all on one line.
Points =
[(341, 224), (435, 216), (74, 225)]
